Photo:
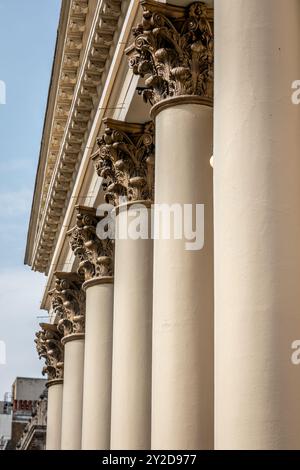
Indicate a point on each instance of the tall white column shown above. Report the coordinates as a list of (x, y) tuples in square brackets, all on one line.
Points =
[(131, 380), (95, 255), (54, 414), (182, 383), (179, 81), (72, 392), (98, 359), (126, 156), (257, 224)]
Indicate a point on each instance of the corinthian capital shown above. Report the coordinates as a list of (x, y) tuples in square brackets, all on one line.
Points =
[(49, 347), (173, 50), (95, 254), (126, 159), (69, 296)]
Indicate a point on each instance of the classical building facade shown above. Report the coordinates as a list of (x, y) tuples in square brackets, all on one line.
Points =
[(157, 341)]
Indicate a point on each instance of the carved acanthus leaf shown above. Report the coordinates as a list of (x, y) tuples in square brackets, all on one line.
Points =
[(69, 295), (50, 348), (126, 160), (95, 255), (173, 50)]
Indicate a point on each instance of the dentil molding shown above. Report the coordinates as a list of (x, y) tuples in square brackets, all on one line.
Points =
[(84, 66)]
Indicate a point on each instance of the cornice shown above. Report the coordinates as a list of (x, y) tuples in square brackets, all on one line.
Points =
[(58, 54), (78, 90)]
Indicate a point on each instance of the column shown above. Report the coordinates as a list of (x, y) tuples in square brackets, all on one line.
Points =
[(68, 290), (49, 347), (257, 224), (126, 159), (95, 257), (172, 50), (54, 414)]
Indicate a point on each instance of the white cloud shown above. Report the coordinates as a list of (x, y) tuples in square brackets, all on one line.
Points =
[(20, 294)]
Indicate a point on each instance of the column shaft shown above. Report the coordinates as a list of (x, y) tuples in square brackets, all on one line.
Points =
[(97, 370), (72, 392), (54, 415), (257, 224), (182, 380), (131, 380)]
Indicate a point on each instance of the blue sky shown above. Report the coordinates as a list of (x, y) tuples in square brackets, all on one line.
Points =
[(27, 40)]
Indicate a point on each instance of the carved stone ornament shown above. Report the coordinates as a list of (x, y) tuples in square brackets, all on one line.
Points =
[(68, 298), (173, 50), (126, 160), (95, 255), (49, 347)]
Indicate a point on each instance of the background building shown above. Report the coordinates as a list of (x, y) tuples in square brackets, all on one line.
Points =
[(34, 433), (17, 411), (5, 421)]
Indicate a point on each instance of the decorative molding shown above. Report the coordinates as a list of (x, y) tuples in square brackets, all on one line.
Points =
[(50, 383), (95, 255), (67, 81), (49, 347), (125, 159), (179, 100), (173, 51), (78, 93), (68, 298)]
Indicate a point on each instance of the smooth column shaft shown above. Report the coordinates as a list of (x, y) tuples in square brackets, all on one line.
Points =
[(97, 370), (72, 394), (54, 415), (182, 381), (257, 224), (131, 382)]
